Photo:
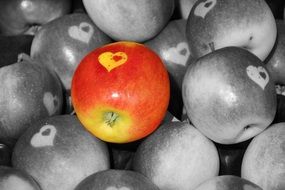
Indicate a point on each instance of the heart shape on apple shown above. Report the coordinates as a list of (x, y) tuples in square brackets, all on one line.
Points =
[(45, 137), (118, 188), (258, 74), (111, 60), (204, 7), (178, 54), (83, 32)]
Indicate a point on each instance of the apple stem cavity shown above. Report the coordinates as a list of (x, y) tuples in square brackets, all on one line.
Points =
[(111, 118)]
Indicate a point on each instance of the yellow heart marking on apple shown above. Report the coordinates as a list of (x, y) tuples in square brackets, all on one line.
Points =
[(117, 188), (178, 54), (44, 137), (203, 8), (51, 102), (258, 74), (111, 60), (83, 32)]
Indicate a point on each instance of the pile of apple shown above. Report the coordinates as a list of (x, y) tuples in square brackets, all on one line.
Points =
[(142, 94)]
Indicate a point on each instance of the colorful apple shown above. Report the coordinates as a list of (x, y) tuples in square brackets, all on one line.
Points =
[(275, 62), (59, 153), (114, 179), (26, 16), (172, 47), (214, 24), (29, 92), (263, 162), (227, 182), (229, 95), (128, 19), (12, 179), (177, 156), (62, 43), (120, 91)]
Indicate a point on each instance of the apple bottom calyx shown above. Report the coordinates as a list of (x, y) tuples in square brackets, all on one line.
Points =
[(110, 118)]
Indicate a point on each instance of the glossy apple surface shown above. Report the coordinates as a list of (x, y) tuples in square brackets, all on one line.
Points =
[(12, 178), (229, 95), (130, 20), (59, 153), (263, 162), (177, 156), (120, 91), (29, 92), (172, 47), (116, 180), (275, 62), (228, 182), (25, 16), (214, 24)]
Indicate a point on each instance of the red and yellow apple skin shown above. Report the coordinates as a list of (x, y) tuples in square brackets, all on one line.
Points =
[(120, 91)]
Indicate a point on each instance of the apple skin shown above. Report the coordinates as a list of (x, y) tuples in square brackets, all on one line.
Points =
[(116, 179), (214, 24), (184, 7), (59, 153), (120, 91), (177, 156), (263, 162), (31, 92), (12, 178), (172, 47), (227, 182), (229, 95), (275, 62), (130, 20), (25, 16), (62, 43)]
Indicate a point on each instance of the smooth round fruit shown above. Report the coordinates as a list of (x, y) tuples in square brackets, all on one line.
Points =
[(214, 24), (116, 180), (227, 182), (177, 156), (263, 162), (229, 95), (120, 91), (59, 153), (13, 179)]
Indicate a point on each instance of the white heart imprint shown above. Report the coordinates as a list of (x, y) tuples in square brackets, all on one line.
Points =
[(83, 32), (45, 137), (258, 74), (178, 54), (204, 7), (50, 102)]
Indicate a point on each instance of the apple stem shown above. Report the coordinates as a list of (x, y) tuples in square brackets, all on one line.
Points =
[(110, 118)]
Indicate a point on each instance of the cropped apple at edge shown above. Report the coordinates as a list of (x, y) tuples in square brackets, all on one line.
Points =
[(121, 91)]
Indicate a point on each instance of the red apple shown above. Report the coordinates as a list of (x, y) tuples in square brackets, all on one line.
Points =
[(116, 180), (177, 156), (128, 19), (227, 182), (63, 42), (172, 47), (29, 92), (275, 62), (184, 7), (25, 16), (214, 24), (59, 153), (120, 91), (229, 95), (12, 179), (263, 162)]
